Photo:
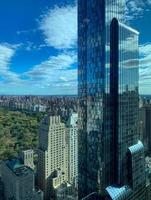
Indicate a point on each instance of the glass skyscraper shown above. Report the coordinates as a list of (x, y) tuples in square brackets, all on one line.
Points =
[(109, 148)]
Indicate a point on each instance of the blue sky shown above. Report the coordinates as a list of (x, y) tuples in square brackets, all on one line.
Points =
[(38, 45)]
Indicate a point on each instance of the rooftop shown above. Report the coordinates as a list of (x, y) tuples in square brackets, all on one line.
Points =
[(137, 147), (119, 193), (18, 168), (13, 164), (23, 171)]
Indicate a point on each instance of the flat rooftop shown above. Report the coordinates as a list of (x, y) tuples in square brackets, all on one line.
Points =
[(18, 168)]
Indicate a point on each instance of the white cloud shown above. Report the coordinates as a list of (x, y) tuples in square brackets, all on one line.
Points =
[(6, 54), (57, 75), (145, 68), (145, 49), (7, 51), (30, 46), (136, 8), (57, 71), (59, 26)]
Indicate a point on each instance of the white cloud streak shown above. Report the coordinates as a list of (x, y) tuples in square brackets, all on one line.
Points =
[(145, 68), (57, 71), (7, 51)]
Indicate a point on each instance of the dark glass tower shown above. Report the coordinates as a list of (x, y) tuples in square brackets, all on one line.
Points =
[(108, 101)]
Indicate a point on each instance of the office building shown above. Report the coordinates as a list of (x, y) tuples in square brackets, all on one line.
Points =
[(52, 169), (18, 181), (111, 157)]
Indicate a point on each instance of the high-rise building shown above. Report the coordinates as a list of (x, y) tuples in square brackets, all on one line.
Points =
[(19, 181), (111, 157), (72, 128), (52, 166), (145, 126)]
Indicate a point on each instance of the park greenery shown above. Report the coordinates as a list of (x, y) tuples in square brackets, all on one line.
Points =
[(18, 131)]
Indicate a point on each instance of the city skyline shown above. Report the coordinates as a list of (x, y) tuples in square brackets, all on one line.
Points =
[(38, 46)]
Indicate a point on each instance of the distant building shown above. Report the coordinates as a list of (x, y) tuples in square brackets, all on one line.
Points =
[(72, 147), (27, 158), (19, 182), (145, 126), (148, 176), (52, 156), (39, 108), (65, 192)]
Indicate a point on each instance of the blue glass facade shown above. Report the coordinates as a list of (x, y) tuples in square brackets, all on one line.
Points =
[(94, 17), (129, 164), (123, 94), (91, 89), (108, 94)]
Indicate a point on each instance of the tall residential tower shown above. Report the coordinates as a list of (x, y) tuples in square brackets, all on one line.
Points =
[(52, 156), (108, 145)]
